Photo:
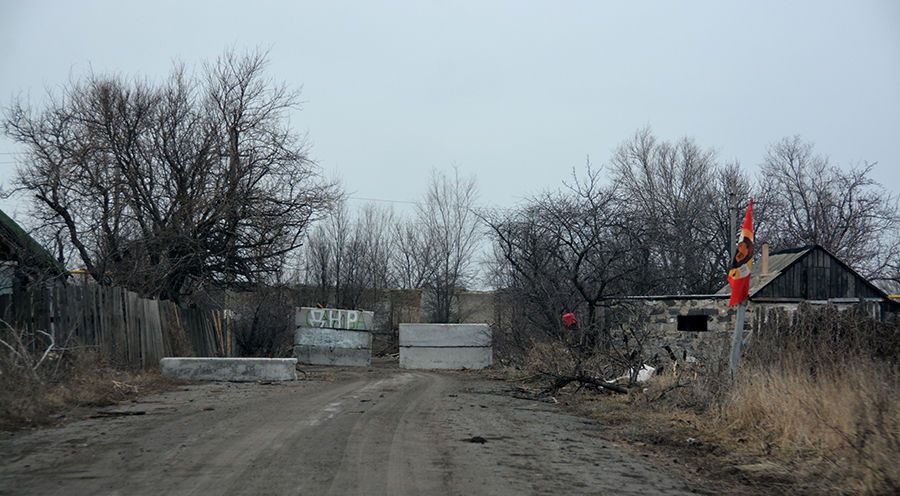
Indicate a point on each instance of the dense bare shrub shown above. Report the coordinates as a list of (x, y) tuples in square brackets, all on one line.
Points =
[(264, 322), (626, 340), (821, 338), (598, 354)]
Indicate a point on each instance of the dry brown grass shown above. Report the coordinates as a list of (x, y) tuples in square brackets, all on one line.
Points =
[(28, 400), (776, 431), (844, 423), (815, 409), (821, 387), (819, 394)]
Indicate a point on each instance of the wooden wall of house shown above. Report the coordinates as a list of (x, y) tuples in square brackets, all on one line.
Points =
[(818, 276)]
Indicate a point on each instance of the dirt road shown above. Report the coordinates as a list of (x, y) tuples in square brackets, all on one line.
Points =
[(382, 431)]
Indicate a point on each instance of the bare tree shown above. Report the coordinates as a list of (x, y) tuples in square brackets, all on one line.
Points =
[(351, 259), (374, 229), (567, 251), (889, 278), (527, 265), (732, 195), (347, 258), (670, 189), (413, 260), (317, 267), (810, 201), (163, 188), (449, 225)]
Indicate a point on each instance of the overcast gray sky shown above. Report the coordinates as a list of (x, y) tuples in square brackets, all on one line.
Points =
[(515, 92)]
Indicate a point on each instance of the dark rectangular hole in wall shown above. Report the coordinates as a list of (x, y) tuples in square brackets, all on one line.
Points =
[(693, 323)]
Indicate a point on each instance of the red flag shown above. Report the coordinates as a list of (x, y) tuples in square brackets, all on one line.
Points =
[(569, 320), (742, 265)]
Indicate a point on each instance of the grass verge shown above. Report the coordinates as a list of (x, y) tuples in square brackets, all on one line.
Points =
[(776, 431), (815, 408), (31, 400)]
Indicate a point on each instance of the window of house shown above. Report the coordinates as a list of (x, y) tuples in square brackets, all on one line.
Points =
[(692, 323)]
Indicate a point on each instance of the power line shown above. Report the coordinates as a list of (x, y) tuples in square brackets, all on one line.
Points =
[(383, 200), (473, 209)]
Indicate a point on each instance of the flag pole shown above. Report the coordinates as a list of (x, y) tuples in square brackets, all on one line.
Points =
[(739, 278), (737, 339)]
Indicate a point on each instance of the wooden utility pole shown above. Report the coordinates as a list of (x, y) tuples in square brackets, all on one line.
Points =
[(732, 216), (737, 339)]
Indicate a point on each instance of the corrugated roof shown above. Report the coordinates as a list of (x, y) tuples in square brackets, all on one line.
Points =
[(778, 262)]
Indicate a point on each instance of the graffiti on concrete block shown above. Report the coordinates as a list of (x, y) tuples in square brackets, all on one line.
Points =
[(333, 318)]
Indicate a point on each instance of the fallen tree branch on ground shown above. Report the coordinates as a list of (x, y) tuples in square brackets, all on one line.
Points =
[(582, 378)]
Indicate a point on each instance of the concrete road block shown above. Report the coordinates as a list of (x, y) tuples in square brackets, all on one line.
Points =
[(445, 335), (445, 358), (229, 369), (445, 346), (339, 357), (333, 338), (345, 348)]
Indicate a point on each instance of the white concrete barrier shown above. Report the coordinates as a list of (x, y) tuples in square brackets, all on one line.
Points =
[(445, 346), (445, 335), (317, 346), (445, 358), (229, 369)]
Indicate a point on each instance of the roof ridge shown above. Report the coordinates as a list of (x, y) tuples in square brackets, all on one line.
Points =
[(796, 249), (26, 242)]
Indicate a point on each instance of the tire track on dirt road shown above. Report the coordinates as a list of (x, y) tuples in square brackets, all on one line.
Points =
[(371, 432)]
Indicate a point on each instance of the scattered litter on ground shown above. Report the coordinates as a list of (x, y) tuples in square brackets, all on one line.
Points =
[(643, 375)]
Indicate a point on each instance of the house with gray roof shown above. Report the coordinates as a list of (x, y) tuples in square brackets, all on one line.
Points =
[(700, 325)]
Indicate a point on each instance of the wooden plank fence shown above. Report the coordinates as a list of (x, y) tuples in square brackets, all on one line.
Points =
[(126, 330)]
